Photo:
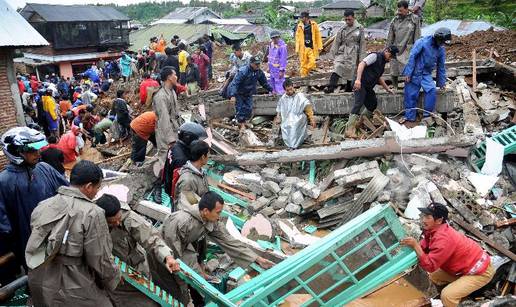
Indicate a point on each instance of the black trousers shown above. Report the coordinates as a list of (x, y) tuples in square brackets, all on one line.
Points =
[(139, 146), (365, 96)]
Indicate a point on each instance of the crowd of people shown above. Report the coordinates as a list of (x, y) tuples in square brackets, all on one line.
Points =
[(63, 233)]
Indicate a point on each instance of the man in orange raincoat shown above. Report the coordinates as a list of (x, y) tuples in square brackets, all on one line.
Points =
[(308, 43)]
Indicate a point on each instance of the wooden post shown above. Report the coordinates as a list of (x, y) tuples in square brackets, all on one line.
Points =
[(474, 70)]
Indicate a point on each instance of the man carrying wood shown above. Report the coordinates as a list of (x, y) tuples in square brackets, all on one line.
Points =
[(348, 48), (403, 33), (134, 240), (453, 260), (308, 43), (369, 73), (189, 225), (293, 111)]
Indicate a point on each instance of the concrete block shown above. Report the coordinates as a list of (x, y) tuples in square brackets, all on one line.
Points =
[(259, 204), (271, 186), (293, 208), (280, 202), (250, 178), (297, 198), (286, 191), (308, 189), (271, 174), (356, 174), (288, 181), (255, 188), (268, 211), (267, 193)]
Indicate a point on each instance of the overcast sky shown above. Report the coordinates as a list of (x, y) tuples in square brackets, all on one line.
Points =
[(21, 3)]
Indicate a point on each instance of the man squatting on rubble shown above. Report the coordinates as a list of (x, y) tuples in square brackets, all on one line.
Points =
[(132, 237), (404, 31), (187, 226), (369, 73), (243, 87), (347, 49), (452, 260), (293, 110), (69, 250), (427, 53)]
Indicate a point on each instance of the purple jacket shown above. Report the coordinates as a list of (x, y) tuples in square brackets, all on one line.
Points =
[(277, 57)]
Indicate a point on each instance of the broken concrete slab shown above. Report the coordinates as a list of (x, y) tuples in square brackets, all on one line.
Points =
[(297, 198), (454, 145), (293, 208), (308, 189), (334, 104), (259, 204), (356, 174), (257, 228), (271, 186)]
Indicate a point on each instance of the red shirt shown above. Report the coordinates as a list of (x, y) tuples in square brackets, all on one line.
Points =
[(143, 88), (21, 86), (447, 249)]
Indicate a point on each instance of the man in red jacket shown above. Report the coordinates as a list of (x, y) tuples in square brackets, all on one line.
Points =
[(147, 82), (453, 260)]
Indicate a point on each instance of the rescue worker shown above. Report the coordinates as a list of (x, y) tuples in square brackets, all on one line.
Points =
[(452, 260), (179, 154), (51, 112), (143, 129), (347, 49), (293, 110), (133, 238), (238, 59), (277, 60), (69, 249), (369, 73), (308, 43), (164, 104), (23, 184), (192, 182), (182, 58), (243, 87), (427, 53), (404, 31), (187, 226), (147, 82)]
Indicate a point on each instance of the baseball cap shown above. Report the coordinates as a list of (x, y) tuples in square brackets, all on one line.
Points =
[(255, 60), (436, 210)]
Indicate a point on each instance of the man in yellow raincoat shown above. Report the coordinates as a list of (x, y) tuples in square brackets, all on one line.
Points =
[(308, 43)]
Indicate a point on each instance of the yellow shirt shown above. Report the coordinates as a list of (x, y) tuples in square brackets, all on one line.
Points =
[(49, 106), (182, 60)]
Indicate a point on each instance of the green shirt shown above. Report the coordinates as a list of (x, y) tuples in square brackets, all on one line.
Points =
[(103, 125)]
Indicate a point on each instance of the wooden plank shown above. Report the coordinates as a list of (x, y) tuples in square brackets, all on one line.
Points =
[(333, 193), (236, 191), (477, 233)]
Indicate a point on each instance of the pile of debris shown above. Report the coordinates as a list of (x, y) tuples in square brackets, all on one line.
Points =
[(489, 44)]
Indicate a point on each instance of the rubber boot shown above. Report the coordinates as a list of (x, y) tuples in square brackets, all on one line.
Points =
[(334, 80), (394, 80), (351, 129)]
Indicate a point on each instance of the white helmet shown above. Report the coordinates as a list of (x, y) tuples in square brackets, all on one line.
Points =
[(21, 139)]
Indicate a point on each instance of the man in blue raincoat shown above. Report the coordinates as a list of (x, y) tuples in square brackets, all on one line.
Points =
[(23, 184), (243, 87), (427, 53)]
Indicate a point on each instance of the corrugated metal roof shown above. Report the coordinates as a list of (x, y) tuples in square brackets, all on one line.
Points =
[(230, 21), (459, 27), (188, 13), (260, 32), (63, 13), (188, 32), (348, 4), (16, 31)]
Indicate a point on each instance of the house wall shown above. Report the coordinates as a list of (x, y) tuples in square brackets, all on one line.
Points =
[(65, 69), (375, 11), (11, 112)]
